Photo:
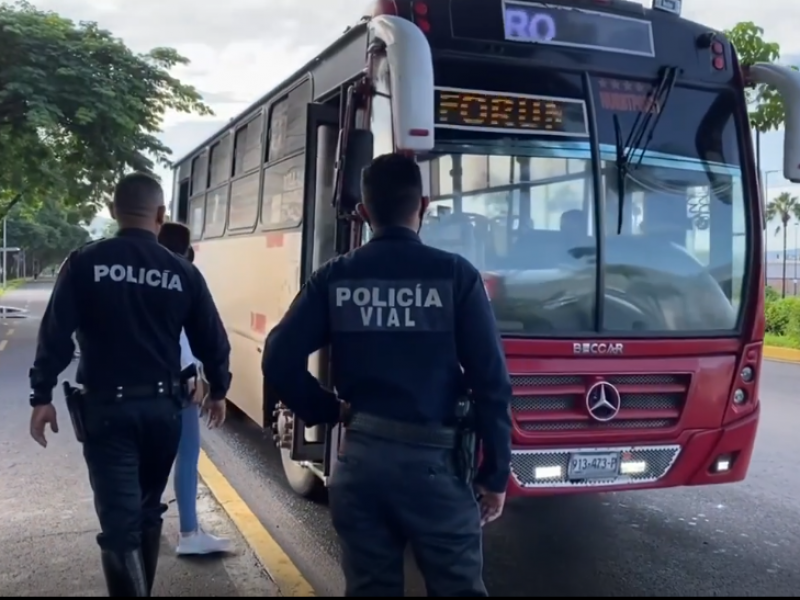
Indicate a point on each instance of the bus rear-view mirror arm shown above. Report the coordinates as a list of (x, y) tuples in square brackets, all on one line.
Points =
[(357, 155)]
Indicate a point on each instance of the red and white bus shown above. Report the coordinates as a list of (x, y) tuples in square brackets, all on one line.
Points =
[(592, 158)]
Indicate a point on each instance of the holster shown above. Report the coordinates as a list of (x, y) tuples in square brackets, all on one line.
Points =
[(76, 405), (188, 373), (466, 449)]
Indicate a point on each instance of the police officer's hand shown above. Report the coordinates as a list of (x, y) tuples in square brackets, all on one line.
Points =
[(491, 504), (215, 412), (198, 391), (41, 417)]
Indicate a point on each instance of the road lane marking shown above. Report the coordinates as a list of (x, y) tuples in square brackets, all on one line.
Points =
[(10, 332), (275, 561), (3, 344)]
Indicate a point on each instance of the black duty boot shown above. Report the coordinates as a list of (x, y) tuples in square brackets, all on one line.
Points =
[(151, 545), (125, 575)]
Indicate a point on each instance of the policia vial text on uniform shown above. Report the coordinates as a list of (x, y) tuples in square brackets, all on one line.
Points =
[(399, 305), (127, 298)]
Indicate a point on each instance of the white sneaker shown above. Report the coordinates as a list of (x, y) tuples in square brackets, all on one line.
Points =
[(201, 542)]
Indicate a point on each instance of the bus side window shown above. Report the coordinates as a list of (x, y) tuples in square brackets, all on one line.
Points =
[(199, 179), (197, 216), (183, 202), (197, 197), (286, 130)]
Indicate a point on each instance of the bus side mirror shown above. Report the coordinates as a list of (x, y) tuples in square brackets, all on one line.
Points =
[(357, 156)]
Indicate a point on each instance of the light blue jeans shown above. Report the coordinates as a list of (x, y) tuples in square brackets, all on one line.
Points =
[(186, 469)]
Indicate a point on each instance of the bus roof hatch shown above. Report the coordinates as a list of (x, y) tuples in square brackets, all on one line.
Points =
[(787, 81), (411, 79)]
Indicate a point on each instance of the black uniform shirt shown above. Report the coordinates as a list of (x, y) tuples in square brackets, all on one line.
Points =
[(402, 319), (128, 298)]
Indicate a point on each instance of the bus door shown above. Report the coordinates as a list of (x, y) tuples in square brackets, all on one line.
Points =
[(319, 245)]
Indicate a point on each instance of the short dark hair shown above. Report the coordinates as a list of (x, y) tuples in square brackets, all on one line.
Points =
[(391, 189), (138, 194), (176, 237)]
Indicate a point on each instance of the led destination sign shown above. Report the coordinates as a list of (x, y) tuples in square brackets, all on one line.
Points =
[(510, 113), (563, 26)]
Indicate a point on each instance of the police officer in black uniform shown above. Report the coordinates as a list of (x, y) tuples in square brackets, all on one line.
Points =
[(128, 298), (402, 319)]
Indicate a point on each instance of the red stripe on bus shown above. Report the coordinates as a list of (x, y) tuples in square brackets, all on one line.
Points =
[(274, 240), (258, 322)]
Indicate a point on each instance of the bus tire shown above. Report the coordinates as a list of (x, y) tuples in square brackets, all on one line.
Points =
[(303, 481)]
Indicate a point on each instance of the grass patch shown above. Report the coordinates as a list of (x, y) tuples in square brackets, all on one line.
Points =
[(12, 284), (781, 341)]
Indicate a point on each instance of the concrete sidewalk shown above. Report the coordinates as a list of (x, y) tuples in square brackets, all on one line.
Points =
[(47, 520), (52, 552)]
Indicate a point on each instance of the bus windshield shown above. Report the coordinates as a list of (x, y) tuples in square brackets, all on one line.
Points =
[(673, 264)]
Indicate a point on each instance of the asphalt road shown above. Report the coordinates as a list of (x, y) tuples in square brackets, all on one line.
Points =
[(738, 540)]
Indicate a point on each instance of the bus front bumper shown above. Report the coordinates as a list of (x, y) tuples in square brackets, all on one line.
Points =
[(694, 457)]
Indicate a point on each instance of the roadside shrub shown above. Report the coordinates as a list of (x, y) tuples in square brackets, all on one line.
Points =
[(792, 330), (771, 294), (776, 314), (782, 316)]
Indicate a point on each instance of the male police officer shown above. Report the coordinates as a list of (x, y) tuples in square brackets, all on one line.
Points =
[(402, 319), (128, 298)]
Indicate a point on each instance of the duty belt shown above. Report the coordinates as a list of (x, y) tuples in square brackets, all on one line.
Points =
[(407, 433), (159, 389)]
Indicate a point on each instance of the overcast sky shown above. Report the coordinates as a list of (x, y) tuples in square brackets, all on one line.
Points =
[(240, 49)]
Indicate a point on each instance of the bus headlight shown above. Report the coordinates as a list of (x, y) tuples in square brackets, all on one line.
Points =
[(739, 397), (633, 467), (723, 463), (553, 472), (748, 374)]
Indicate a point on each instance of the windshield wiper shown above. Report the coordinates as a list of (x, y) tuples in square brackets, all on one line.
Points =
[(644, 125), (622, 171)]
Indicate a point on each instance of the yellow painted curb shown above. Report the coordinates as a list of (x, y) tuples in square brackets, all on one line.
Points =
[(275, 561), (782, 354)]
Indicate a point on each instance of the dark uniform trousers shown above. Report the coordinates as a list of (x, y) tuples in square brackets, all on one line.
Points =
[(130, 448), (385, 495)]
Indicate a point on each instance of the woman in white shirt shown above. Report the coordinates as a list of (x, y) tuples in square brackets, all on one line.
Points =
[(193, 540)]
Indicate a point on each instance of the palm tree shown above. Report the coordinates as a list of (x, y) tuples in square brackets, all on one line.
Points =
[(784, 207)]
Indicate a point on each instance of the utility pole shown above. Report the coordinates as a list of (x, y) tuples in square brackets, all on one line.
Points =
[(765, 192), (796, 227), (5, 252)]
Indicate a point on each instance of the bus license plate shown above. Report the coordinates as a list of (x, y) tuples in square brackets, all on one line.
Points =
[(594, 465)]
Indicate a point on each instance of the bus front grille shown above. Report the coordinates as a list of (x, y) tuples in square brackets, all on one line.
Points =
[(559, 403)]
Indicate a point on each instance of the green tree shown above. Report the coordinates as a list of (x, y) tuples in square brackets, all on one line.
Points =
[(78, 107), (784, 207), (767, 110), (46, 233)]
